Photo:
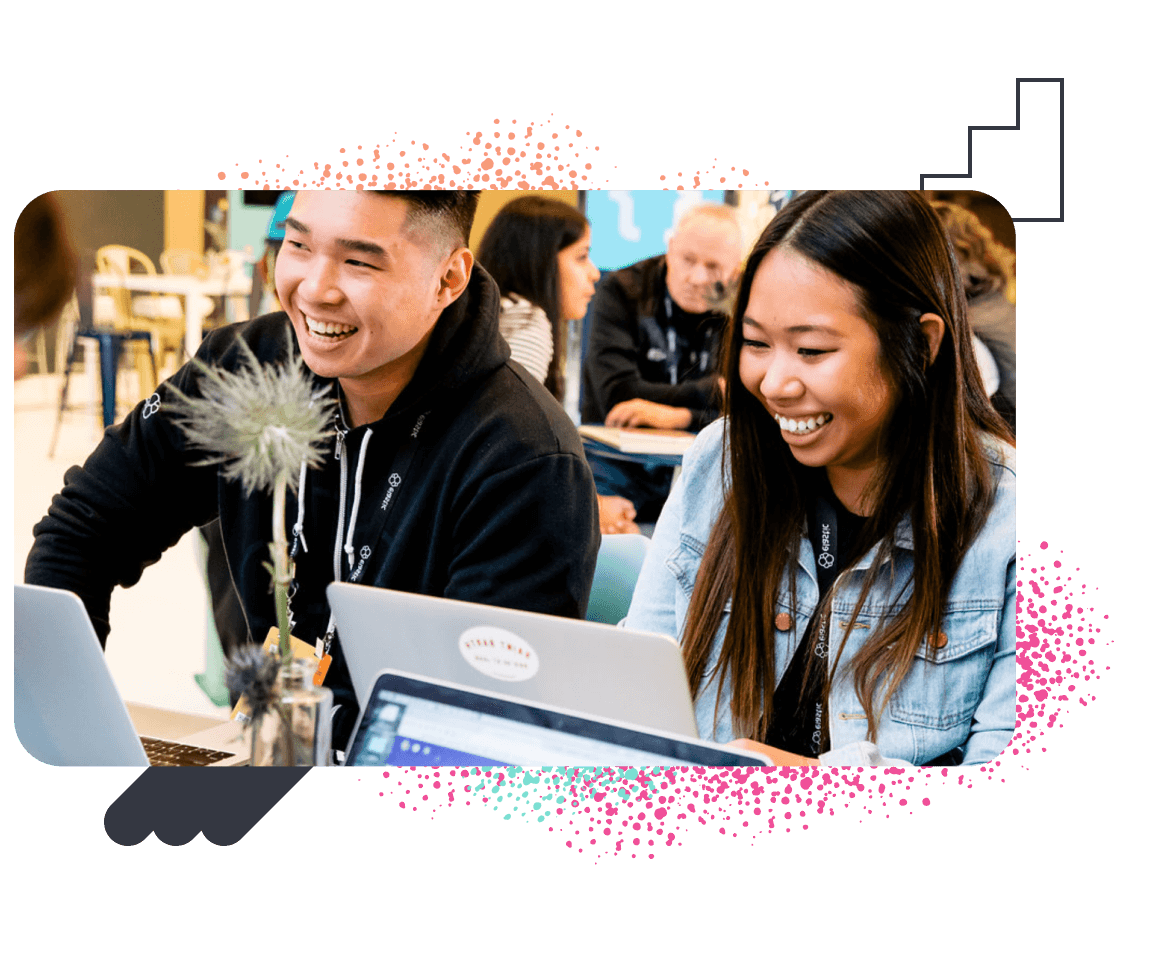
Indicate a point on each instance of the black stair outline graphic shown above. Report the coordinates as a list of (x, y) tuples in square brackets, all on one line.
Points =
[(1017, 126)]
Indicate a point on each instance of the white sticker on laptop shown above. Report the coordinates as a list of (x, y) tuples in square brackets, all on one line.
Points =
[(497, 653)]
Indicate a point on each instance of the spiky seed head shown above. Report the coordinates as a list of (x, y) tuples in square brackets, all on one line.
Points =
[(259, 422), (252, 672)]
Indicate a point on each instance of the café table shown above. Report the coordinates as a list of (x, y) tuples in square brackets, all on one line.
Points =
[(596, 449), (601, 450), (191, 287)]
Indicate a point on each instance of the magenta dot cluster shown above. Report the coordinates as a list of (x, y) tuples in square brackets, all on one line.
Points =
[(638, 813)]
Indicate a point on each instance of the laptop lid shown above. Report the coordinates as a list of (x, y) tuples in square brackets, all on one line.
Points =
[(68, 709), (620, 674), (412, 721)]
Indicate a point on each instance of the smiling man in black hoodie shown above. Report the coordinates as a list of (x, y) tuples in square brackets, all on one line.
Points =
[(451, 472)]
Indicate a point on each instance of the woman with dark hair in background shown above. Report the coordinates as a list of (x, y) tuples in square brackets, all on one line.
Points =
[(538, 252), (838, 558), (45, 272)]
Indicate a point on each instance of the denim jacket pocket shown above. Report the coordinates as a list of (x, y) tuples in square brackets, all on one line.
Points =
[(942, 689), (683, 564)]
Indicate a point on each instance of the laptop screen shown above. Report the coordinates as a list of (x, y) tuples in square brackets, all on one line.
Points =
[(409, 722)]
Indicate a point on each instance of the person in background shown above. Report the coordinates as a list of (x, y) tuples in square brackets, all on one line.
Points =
[(445, 475), (987, 270), (653, 348), (263, 298), (853, 602), (45, 273), (537, 250)]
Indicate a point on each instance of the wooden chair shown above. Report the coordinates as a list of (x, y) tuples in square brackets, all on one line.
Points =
[(183, 261), (160, 315), (180, 261)]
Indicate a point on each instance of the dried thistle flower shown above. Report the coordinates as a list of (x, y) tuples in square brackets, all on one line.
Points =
[(259, 422), (252, 672)]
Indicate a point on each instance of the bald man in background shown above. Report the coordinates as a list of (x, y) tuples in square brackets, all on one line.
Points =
[(653, 349)]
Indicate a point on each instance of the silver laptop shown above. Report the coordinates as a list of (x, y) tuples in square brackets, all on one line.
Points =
[(412, 721), (69, 711), (614, 673)]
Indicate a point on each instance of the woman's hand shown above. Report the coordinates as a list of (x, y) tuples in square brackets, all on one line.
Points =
[(638, 413), (781, 758), (616, 515)]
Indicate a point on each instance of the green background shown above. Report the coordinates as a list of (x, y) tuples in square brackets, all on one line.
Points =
[(1039, 872)]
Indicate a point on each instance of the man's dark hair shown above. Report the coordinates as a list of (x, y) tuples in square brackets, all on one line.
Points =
[(447, 214)]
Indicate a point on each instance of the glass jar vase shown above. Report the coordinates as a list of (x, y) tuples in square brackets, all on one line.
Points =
[(296, 730)]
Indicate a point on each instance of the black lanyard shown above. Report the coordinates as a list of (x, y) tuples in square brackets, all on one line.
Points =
[(824, 538), (823, 530), (395, 483), (671, 342)]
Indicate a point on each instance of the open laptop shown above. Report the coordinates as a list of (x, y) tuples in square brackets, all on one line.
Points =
[(69, 711), (412, 721), (600, 670)]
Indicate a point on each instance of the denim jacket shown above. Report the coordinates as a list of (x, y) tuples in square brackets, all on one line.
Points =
[(962, 700)]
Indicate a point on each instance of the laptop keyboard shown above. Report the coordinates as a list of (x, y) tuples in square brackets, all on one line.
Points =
[(167, 753)]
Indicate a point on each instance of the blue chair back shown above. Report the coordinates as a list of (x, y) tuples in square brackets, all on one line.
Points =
[(620, 558)]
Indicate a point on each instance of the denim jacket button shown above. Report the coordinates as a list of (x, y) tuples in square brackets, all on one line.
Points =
[(783, 622), (941, 640)]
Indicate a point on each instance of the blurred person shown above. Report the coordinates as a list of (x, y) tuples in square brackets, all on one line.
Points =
[(263, 298), (653, 348), (838, 559), (537, 250), (45, 272), (441, 465), (987, 270)]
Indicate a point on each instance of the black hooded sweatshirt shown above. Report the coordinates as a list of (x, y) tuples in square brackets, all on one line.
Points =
[(473, 486)]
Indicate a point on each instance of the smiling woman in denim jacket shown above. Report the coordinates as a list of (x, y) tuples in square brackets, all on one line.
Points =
[(838, 557)]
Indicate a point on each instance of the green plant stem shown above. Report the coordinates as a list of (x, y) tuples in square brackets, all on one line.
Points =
[(282, 579)]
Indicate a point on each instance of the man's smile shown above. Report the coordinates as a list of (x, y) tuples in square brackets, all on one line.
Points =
[(330, 330)]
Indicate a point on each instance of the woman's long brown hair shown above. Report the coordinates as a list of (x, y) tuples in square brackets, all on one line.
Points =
[(891, 247)]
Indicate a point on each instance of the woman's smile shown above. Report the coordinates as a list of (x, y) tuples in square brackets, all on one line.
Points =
[(802, 424)]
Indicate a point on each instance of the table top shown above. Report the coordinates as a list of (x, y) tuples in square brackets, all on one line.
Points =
[(238, 283), (593, 447)]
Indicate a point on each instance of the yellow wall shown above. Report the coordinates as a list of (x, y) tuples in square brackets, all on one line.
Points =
[(183, 220), (492, 201)]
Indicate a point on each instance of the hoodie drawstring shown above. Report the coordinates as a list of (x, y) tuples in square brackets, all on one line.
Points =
[(297, 530), (341, 547), (349, 545)]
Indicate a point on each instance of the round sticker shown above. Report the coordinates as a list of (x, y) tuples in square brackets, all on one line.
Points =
[(497, 653)]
